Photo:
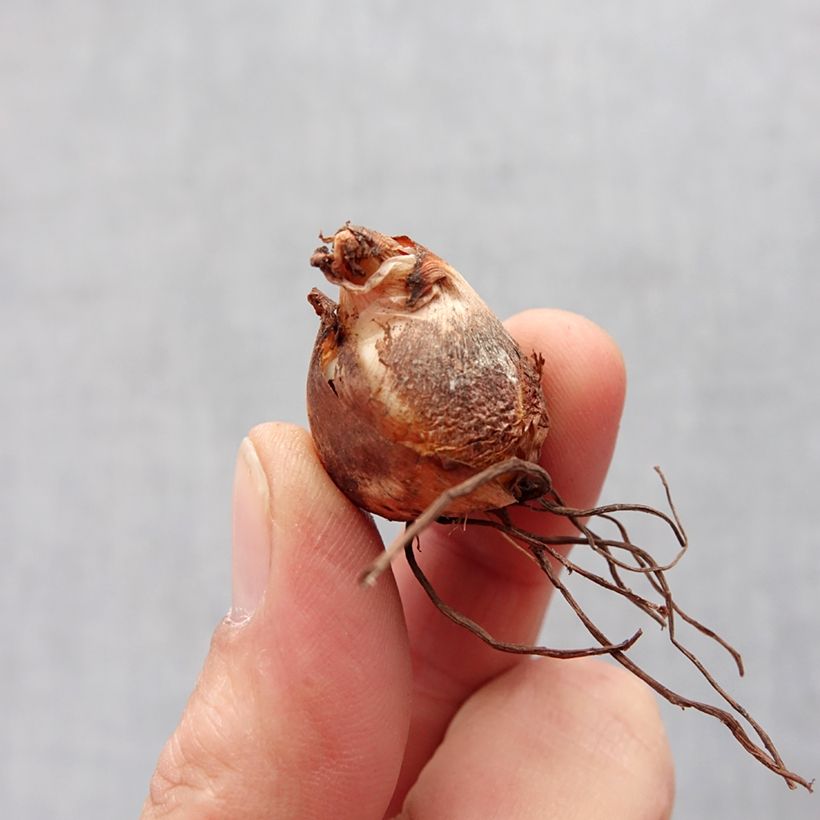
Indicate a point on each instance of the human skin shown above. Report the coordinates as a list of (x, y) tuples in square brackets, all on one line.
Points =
[(320, 698)]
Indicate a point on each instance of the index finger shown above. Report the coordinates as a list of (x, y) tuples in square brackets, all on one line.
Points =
[(475, 570)]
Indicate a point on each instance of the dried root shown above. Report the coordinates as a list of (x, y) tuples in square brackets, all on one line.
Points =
[(621, 557)]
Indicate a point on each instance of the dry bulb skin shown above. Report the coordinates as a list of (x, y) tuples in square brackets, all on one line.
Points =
[(424, 409), (414, 384)]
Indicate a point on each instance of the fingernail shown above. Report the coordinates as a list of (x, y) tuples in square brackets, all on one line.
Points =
[(251, 534)]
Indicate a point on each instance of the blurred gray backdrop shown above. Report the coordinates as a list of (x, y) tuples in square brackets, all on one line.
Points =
[(164, 171)]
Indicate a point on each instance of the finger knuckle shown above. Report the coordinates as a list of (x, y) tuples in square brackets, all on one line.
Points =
[(190, 775)]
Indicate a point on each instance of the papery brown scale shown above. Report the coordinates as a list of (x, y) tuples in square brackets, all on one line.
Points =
[(414, 384)]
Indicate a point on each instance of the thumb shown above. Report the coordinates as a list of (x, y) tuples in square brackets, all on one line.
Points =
[(302, 706)]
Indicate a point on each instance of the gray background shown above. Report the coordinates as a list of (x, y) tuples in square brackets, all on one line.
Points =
[(164, 170)]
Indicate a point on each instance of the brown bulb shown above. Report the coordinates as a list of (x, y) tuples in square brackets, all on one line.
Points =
[(414, 384)]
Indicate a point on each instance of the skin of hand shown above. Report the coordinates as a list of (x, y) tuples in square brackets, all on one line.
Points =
[(320, 698)]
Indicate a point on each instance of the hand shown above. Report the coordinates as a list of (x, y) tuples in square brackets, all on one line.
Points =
[(320, 698)]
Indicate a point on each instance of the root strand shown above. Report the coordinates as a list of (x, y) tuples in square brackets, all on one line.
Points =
[(544, 550)]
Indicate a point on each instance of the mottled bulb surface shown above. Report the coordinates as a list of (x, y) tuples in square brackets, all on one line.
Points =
[(414, 384)]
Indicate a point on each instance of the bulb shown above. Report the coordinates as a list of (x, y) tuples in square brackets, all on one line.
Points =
[(414, 384)]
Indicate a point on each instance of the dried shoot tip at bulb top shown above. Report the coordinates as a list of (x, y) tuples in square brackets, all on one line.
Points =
[(414, 384)]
